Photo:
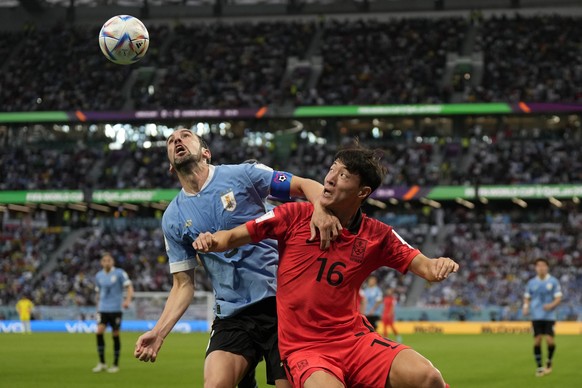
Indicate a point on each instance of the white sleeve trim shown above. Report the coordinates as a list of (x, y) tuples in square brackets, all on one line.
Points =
[(558, 294), (127, 283), (183, 265)]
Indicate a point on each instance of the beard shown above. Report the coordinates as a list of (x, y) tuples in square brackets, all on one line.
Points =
[(185, 163)]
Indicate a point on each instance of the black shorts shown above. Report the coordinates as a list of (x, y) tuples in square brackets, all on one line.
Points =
[(373, 319), (543, 327), (252, 333), (111, 319)]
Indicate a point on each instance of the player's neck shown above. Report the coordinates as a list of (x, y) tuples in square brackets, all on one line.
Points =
[(193, 180), (544, 277), (345, 215)]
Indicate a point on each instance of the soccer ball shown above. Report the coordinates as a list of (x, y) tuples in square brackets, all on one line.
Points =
[(124, 39)]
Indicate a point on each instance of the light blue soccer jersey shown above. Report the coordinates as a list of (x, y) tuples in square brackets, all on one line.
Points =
[(373, 295), (541, 292), (110, 286), (232, 195)]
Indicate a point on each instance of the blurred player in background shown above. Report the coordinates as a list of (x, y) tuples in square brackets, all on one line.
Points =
[(215, 198), (542, 295), (24, 307), (323, 338), (373, 301), (110, 284), (388, 314)]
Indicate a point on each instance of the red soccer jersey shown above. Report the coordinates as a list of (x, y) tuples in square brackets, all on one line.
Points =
[(389, 302), (317, 290)]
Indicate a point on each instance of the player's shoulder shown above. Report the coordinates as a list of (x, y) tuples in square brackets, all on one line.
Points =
[(297, 208)]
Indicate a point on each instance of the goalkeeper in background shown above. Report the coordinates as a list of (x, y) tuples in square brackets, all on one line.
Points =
[(542, 295), (24, 307)]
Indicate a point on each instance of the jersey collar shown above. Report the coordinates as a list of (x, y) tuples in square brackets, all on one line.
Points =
[(354, 226), (211, 169)]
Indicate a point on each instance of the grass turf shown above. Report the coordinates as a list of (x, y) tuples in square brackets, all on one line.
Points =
[(65, 360)]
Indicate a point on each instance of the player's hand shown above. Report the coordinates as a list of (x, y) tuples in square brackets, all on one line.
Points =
[(204, 242), (326, 223), (548, 307), (125, 304), (147, 346), (443, 267)]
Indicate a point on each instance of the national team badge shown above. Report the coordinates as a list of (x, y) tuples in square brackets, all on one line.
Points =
[(549, 286), (358, 250), (228, 201)]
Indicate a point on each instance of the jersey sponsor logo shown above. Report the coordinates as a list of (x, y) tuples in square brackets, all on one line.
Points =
[(228, 201), (358, 250), (268, 215)]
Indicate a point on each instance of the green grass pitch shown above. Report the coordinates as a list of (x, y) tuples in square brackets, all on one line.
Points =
[(65, 360)]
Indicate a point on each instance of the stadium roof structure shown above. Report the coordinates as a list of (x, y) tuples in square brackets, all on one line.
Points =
[(457, 4)]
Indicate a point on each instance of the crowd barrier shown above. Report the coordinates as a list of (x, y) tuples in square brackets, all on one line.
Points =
[(501, 327), (408, 327), (91, 326)]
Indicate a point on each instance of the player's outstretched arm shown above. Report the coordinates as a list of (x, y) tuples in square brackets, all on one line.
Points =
[(148, 344), (433, 270), (222, 240), (323, 220)]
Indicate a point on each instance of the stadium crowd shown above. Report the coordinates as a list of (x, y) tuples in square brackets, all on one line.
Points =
[(497, 259), (243, 64)]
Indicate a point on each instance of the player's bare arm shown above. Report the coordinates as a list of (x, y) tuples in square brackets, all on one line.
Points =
[(148, 344), (128, 296), (433, 270), (222, 240), (550, 306), (323, 220), (526, 306)]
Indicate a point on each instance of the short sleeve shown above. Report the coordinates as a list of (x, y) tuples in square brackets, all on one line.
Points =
[(260, 175), (273, 224), (399, 254), (527, 293), (557, 289), (181, 254), (125, 277)]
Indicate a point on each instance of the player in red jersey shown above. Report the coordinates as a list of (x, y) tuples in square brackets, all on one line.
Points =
[(388, 314), (324, 341)]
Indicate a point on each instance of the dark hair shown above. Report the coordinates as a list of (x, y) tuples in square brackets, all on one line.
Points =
[(542, 260), (203, 144), (365, 163), (201, 140)]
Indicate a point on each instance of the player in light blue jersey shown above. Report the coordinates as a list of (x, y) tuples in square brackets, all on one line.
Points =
[(244, 280), (110, 284), (373, 297), (542, 295)]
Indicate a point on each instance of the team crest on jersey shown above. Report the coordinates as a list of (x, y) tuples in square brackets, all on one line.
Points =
[(113, 279), (228, 201), (549, 286), (188, 223), (358, 250)]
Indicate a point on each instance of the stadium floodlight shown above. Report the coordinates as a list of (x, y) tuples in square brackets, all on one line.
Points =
[(556, 202), (464, 202), (484, 200), (519, 202), (576, 200), (375, 202)]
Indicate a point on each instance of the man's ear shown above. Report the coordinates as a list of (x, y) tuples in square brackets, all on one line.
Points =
[(171, 170), (364, 192), (206, 154)]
